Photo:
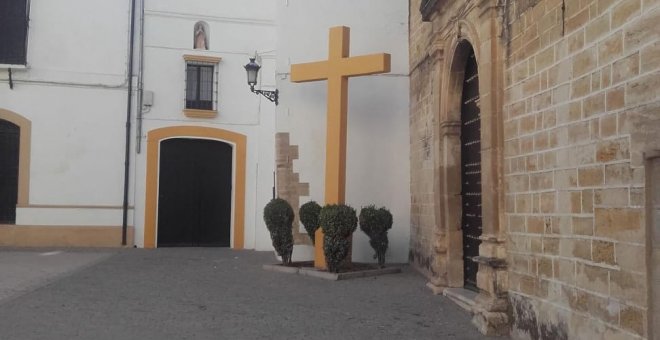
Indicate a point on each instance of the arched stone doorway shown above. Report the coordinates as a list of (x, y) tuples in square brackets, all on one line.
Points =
[(460, 178), (469, 182)]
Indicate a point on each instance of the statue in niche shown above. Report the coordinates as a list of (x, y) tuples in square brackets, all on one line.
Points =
[(201, 38)]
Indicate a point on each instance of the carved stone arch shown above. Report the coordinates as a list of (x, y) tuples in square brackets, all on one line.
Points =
[(448, 176), (465, 33)]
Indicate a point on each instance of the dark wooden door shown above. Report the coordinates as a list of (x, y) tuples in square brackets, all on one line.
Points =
[(9, 151), (194, 193), (471, 171)]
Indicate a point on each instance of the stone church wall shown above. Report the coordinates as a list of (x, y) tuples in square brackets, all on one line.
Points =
[(580, 114), (579, 79)]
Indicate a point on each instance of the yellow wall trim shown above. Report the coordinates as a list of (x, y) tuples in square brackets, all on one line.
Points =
[(62, 236), (193, 113), (154, 138), (25, 127), (201, 58)]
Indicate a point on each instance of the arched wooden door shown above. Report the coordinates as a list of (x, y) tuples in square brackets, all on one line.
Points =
[(471, 170), (194, 193), (9, 157)]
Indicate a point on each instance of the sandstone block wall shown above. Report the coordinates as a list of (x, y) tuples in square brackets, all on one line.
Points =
[(424, 85), (289, 186), (580, 112), (577, 75)]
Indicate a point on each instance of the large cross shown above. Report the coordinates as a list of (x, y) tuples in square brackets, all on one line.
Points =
[(336, 70)]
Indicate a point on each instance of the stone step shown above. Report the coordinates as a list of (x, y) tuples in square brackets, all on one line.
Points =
[(462, 297)]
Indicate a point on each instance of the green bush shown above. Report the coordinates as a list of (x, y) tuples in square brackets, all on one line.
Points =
[(335, 250), (375, 223), (309, 217), (338, 222), (278, 216)]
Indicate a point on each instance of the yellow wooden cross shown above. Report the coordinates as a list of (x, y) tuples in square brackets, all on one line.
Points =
[(336, 70)]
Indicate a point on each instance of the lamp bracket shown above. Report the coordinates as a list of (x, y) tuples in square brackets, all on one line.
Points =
[(273, 96)]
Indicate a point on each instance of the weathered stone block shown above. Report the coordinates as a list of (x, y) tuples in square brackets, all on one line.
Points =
[(631, 257), (550, 245), (624, 11), (597, 27), (584, 62), (615, 197), (544, 267), (611, 150), (629, 287), (583, 225), (642, 90), (611, 48), (564, 270), (590, 176), (619, 223), (587, 201), (603, 251), (578, 20), (592, 278), (594, 105), (625, 68), (642, 30), (650, 57), (618, 174), (633, 319)]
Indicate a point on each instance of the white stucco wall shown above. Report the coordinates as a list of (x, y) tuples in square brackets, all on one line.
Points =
[(235, 33), (74, 93), (378, 137)]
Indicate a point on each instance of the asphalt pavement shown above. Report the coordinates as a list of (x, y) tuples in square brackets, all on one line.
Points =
[(208, 293)]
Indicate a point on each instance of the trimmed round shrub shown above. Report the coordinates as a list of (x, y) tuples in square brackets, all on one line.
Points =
[(375, 223), (309, 217), (335, 250), (338, 222), (278, 216)]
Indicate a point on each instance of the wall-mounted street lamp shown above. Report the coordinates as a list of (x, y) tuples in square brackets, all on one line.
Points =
[(252, 69)]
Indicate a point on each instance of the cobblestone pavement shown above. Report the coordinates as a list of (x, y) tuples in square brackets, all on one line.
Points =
[(208, 293)]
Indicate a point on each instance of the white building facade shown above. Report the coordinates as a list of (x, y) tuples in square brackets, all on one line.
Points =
[(189, 103)]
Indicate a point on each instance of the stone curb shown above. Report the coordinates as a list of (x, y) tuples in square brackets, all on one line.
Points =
[(280, 269), (312, 272)]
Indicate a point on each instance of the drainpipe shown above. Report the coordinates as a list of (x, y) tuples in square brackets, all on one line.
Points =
[(127, 154), (140, 84)]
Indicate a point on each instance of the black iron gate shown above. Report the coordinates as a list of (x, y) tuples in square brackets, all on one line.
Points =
[(194, 193), (471, 170), (9, 151)]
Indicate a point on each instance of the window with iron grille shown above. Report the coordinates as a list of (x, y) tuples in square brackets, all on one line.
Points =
[(201, 86), (13, 31)]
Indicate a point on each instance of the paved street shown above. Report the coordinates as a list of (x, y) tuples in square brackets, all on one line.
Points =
[(208, 293)]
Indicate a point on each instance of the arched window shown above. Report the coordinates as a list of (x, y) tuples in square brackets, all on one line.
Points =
[(201, 36)]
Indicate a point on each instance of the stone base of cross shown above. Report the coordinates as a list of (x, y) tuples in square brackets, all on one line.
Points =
[(336, 70)]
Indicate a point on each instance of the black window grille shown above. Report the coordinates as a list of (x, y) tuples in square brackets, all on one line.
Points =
[(200, 84), (13, 31)]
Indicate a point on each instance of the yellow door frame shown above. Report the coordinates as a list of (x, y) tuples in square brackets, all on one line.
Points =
[(154, 137)]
